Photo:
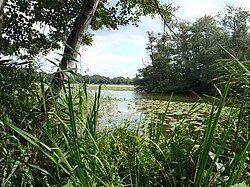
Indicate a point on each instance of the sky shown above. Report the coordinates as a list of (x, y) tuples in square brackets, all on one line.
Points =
[(122, 52)]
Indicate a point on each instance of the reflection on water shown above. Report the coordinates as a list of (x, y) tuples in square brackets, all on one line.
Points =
[(131, 105), (134, 95)]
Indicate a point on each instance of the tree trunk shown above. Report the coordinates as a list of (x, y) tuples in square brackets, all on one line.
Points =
[(70, 53), (2, 2)]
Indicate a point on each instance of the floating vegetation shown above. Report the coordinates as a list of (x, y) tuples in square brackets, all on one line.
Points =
[(160, 112)]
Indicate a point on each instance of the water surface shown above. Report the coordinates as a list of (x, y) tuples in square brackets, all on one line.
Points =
[(132, 105)]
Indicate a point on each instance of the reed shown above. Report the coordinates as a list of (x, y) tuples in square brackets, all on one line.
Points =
[(72, 152)]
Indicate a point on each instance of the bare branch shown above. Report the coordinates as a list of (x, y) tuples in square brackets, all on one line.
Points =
[(163, 17)]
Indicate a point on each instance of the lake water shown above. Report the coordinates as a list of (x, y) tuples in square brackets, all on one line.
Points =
[(120, 106)]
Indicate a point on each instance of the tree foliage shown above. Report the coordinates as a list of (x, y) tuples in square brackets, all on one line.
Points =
[(39, 26), (196, 58), (138, 154), (94, 79), (98, 79)]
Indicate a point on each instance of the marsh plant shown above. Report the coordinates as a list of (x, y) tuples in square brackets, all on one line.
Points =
[(72, 152)]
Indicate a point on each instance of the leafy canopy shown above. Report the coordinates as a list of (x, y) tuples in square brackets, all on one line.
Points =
[(191, 62), (39, 26)]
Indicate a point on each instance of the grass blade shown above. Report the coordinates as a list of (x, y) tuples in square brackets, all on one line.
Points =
[(207, 142)]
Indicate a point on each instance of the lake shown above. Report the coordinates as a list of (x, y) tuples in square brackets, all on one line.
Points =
[(120, 106)]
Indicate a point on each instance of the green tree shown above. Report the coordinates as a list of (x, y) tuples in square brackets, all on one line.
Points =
[(235, 23), (63, 22), (98, 79), (162, 73), (30, 28), (205, 35), (189, 60)]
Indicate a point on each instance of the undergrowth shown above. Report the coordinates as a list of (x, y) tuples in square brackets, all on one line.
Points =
[(73, 152)]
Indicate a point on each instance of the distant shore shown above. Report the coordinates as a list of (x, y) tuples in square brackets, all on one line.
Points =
[(115, 87)]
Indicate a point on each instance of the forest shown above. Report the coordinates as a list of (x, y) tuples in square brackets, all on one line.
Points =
[(50, 128), (198, 55), (94, 79)]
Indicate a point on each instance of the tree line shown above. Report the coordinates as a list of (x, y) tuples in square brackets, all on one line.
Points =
[(198, 55), (98, 79), (50, 138), (94, 79)]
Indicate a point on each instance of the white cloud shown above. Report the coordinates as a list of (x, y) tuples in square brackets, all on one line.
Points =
[(242, 3), (120, 53), (192, 9), (112, 63)]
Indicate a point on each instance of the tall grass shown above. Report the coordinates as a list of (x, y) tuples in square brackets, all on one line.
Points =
[(207, 143), (72, 152)]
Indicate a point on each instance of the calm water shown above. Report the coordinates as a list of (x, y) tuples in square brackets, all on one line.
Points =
[(132, 105), (133, 95)]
